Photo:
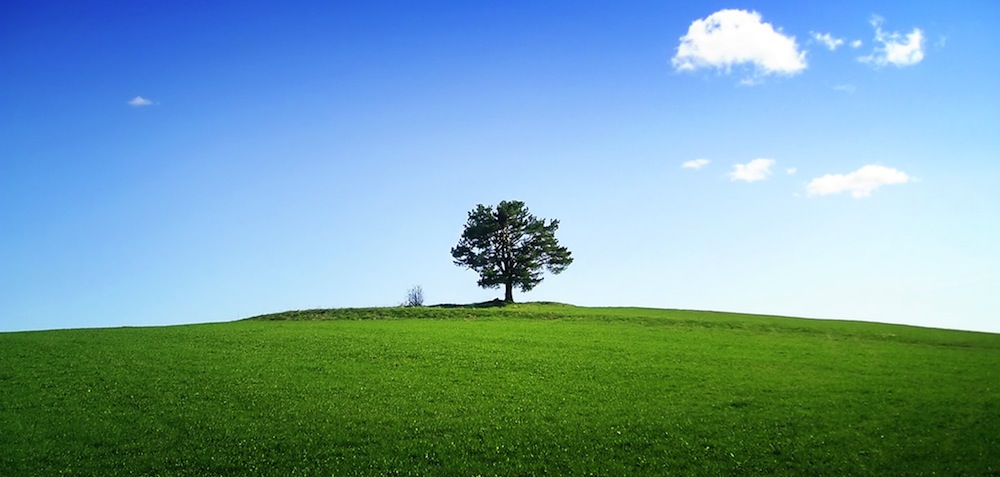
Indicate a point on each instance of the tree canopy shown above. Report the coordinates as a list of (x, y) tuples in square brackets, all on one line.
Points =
[(508, 246)]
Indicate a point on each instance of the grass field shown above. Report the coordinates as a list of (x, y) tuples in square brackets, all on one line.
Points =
[(529, 389)]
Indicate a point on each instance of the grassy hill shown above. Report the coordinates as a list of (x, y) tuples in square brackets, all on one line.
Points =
[(519, 390)]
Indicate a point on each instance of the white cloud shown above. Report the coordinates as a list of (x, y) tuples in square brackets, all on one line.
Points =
[(791, 171), (729, 38), (753, 171), (845, 88), (860, 183), (857, 44), (828, 40), (695, 164), (140, 101), (897, 49)]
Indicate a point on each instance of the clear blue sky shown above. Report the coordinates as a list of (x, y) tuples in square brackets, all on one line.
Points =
[(179, 162)]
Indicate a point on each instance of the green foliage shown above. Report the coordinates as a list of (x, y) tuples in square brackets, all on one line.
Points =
[(522, 389), (508, 246)]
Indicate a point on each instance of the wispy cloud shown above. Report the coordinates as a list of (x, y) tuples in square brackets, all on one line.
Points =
[(845, 88), (896, 49), (695, 164), (730, 38), (857, 44), (860, 183), (827, 40), (791, 171), (139, 101), (753, 171)]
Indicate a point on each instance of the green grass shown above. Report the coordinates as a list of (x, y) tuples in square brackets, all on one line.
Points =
[(520, 390)]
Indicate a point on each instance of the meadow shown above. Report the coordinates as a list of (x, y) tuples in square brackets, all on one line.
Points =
[(526, 389)]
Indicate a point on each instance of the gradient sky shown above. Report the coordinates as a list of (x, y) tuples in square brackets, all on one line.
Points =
[(180, 162)]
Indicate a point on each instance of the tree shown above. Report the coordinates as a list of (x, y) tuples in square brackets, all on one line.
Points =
[(508, 246), (414, 297)]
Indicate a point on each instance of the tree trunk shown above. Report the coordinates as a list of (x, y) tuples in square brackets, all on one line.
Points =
[(509, 293)]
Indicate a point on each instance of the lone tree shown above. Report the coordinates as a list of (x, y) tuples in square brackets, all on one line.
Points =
[(508, 246), (414, 297)]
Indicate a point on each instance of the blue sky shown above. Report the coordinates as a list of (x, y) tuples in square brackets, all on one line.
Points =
[(180, 162)]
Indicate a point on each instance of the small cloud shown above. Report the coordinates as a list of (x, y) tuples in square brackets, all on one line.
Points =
[(857, 44), (860, 183), (730, 38), (828, 40), (845, 88), (897, 49), (695, 164), (753, 171), (791, 171), (139, 101)]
